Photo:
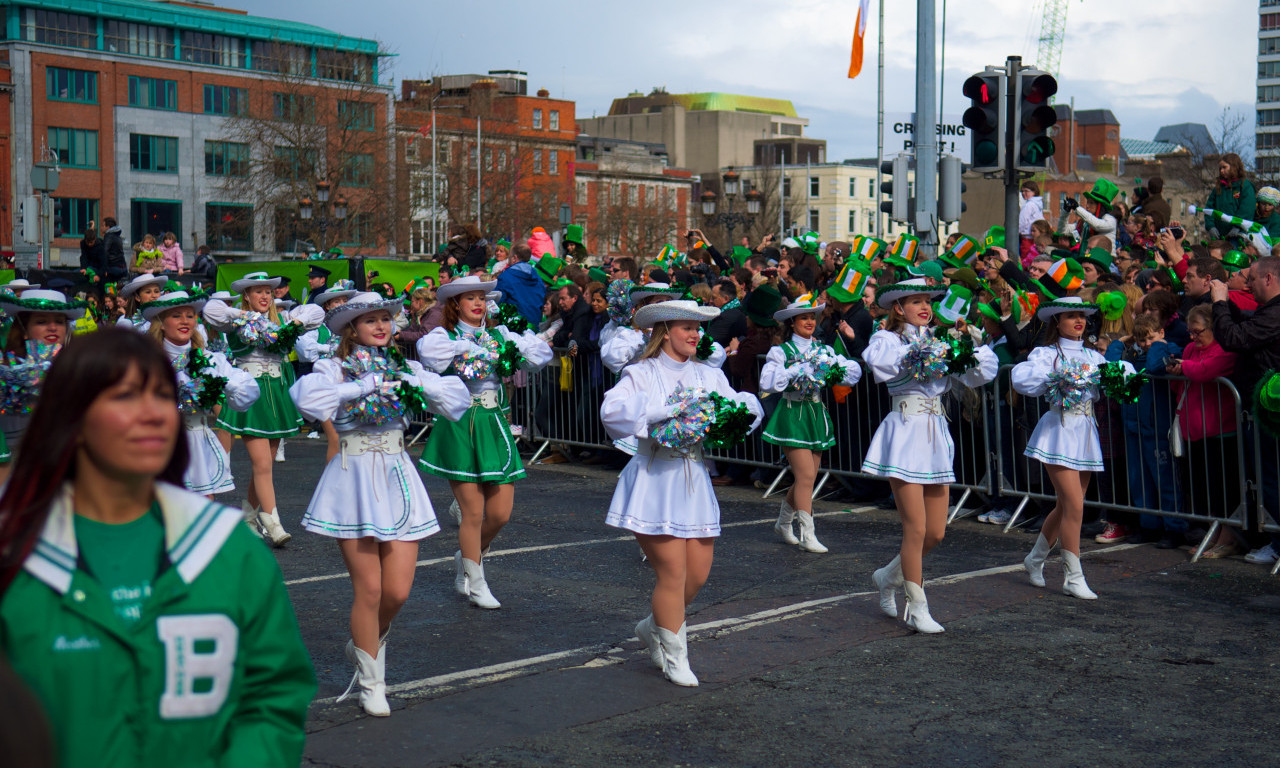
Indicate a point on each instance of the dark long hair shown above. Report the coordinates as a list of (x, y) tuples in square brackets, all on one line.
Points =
[(78, 376)]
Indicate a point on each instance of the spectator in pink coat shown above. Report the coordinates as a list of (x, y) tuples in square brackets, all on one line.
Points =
[(172, 260), (541, 244)]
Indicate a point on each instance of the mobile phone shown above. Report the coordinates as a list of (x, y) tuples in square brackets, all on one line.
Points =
[(1177, 232), (770, 272)]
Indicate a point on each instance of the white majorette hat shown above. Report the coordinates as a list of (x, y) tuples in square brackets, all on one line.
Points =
[(802, 306), (286, 304), (42, 300), (151, 309), (360, 304), (142, 281), (222, 295), (1065, 304), (340, 289), (670, 311), (19, 284), (649, 290), (494, 296), (254, 279), (887, 294), (464, 285)]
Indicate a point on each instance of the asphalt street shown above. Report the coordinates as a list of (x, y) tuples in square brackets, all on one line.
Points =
[(1175, 664)]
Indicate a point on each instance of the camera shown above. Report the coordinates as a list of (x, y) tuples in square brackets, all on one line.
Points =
[(1069, 204)]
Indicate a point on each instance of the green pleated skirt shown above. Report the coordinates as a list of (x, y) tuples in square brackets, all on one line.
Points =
[(273, 415), (5, 455), (478, 448), (800, 424)]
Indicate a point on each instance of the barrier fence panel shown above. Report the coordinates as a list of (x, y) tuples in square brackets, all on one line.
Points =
[(1266, 476), (1145, 476)]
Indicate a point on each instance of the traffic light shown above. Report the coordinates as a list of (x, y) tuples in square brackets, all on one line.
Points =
[(1035, 117), (895, 188), (57, 219), (985, 119), (30, 207), (951, 188)]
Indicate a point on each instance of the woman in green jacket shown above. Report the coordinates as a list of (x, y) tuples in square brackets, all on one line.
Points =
[(150, 623), (1232, 194)]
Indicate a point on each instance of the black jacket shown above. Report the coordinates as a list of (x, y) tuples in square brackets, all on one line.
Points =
[(577, 326), (113, 242), (859, 319), (94, 257), (730, 324), (1255, 339)]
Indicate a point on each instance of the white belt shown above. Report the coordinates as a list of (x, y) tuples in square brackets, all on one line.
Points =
[(1079, 409), (195, 421), (486, 399), (656, 450), (917, 405), (357, 443), (798, 397), (258, 369)]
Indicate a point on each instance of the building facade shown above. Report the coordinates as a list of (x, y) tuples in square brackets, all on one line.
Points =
[(161, 116), (1267, 132)]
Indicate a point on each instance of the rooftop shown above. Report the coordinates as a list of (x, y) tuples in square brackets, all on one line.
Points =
[(712, 101)]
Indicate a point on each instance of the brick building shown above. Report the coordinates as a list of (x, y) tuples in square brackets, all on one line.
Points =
[(141, 103)]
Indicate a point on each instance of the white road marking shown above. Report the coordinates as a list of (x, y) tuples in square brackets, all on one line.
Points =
[(717, 628), (563, 545)]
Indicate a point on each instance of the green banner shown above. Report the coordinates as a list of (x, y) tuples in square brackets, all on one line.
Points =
[(7, 275), (296, 271), (399, 273)]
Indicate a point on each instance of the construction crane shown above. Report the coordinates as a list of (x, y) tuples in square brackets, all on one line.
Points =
[(1053, 28)]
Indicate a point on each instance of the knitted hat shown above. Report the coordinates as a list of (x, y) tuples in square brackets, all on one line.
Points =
[(963, 253), (850, 281), (905, 251), (1064, 276), (1269, 195), (761, 304)]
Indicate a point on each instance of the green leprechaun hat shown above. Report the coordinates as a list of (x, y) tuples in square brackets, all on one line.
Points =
[(954, 304), (850, 281), (1112, 304), (1104, 191), (1100, 258), (761, 305), (994, 237), (740, 254), (809, 243), (963, 253), (867, 248), (905, 251), (598, 275), (574, 234), (1234, 261), (547, 268), (989, 309), (1266, 401), (1063, 277)]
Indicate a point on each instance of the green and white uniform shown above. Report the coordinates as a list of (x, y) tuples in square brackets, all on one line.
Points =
[(162, 642), (800, 419)]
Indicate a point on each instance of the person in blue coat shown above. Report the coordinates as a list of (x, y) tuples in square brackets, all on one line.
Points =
[(522, 286)]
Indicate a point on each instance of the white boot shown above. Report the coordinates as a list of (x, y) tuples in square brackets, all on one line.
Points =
[(918, 617), (887, 580), (371, 679), (785, 515), (1073, 583), (280, 451), (477, 587), (272, 528), (646, 631), (675, 656), (455, 512), (1034, 562), (808, 539), (250, 513), (460, 581)]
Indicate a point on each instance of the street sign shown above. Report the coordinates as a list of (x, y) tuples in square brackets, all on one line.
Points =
[(900, 129)]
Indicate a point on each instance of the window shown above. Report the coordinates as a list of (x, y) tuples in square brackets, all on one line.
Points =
[(853, 189), (553, 120), (537, 119), (295, 107), (813, 220), (53, 28), (75, 148), (344, 65), (76, 212), (871, 188), (580, 196), (138, 39), (1268, 93), (357, 171), (1268, 45), (213, 50), (615, 193), (293, 164), (1268, 141), (1269, 21), (488, 159), (71, 85), (1269, 117), (853, 222), (815, 187), (633, 195), (786, 186), (553, 162), (473, 156), (871, 222), (229, 226), (537, 161), (1268, 69), (153, 93), (153, 153), (360, 230), (225, 100), (282, 58), (226, 158), (356, 115), (502, 160)]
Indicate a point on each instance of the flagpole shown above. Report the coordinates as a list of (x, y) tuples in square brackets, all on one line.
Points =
[(879, 228)]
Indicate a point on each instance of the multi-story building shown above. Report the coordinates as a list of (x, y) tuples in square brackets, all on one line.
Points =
[(504, 159), (1267, 136), (627, 200), (188, 118)]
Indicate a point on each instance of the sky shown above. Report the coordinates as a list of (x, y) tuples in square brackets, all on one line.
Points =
[(1150, 63)]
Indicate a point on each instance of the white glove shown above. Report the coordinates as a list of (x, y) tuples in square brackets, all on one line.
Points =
[(660, 413)]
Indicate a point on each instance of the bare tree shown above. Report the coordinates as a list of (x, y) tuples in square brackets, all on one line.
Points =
[(635, 218), (763, 179)]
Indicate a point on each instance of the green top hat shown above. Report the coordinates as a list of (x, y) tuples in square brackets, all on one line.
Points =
[(991, 310), (573, 234), (954, 305), (850, 281), (1234, 261), (547, 268), (761, 304), (740, 254), (1064, 276), (1266, 401), (994, 237), (598, 275), (1103, 192), (963, 253), (905, 251), (1100, 258), (867, 248), (809, 243)]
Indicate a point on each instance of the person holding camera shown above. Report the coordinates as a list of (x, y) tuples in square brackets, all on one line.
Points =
[(1094, 215)]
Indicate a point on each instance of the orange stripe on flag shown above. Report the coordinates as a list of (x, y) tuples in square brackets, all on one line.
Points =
[(859, 32)]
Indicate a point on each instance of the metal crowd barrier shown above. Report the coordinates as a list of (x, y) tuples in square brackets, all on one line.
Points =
[(1266, 473)]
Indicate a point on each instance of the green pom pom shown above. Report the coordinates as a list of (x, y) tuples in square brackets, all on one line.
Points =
[(509, 316), (509, 359), (704, 347), (286, 338), (1122, 387), (732, 423)]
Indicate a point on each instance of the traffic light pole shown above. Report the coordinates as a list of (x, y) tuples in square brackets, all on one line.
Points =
[(1013, 66), (926, 132)]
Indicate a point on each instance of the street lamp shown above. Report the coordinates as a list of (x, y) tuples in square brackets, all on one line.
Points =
[(328, 214), (732, 186)]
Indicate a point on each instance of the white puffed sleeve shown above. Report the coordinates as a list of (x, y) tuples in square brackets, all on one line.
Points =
[(219, 314), (621, 349), (309, 348), (1031, 378), (775, 376), (142, 327), (536, 352), (436, 350), (985, 371), (721, 385), (319, 393), (607, 332), (884, 354), (717, 357), (308, 315), (242, 389), (446, 395), (625, 411), (852, 371)]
